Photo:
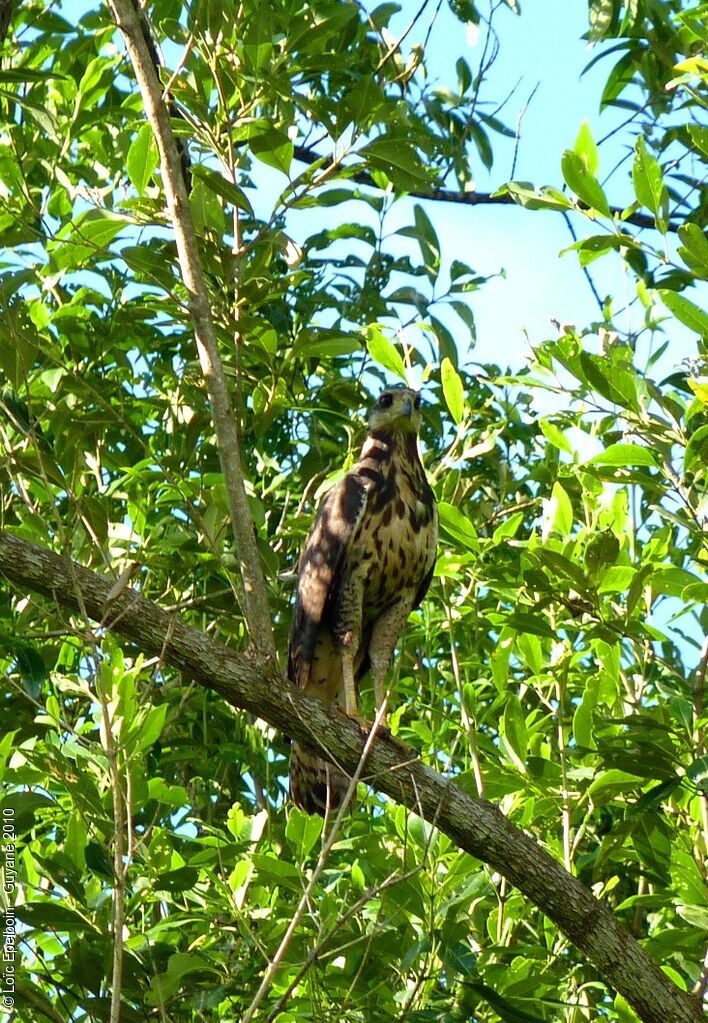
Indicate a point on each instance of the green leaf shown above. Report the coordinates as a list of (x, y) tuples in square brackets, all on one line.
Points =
[(561, 566), (523, 621), (694, 250), (696, 916), (507, 1009), (38, 113), (182, 879), (27, 74), (586, 149), (427, 239), (601, 550), (303, 831), (583, 716), (616, 579), (458, 525), (583, 183), (98, 859), (270, 868), (271, 146), (611, 783), (325, 345), (624, 455), (532, 198), (649, 183), (149, 263), (180, 965), (698, 134), (514, 726), (226, 189), (696, 455), (50, 916), (142, 159), (453, 390), (555, 435), (464, 75), (508, 527), (383, 351), (686, 311), (610, 380), (6, 747), (146, 730), (399, 161), (32, 670), (558, 512), (672, 580), (589, 249), (363, 103), (207, 211), (85, 240)]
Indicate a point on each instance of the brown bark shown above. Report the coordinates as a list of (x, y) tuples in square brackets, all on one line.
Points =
[(475, 825)]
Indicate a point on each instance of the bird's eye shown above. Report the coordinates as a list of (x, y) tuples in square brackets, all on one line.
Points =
[(416, 402), (386, 400)]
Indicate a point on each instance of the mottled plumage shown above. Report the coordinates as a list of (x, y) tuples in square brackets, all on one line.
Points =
[(367, 563)]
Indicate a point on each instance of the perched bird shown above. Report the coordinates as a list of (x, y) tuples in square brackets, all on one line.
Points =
[(367, 563)]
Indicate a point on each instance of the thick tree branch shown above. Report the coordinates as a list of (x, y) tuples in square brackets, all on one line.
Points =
[(255, 599), (637, 219), (475, 825)]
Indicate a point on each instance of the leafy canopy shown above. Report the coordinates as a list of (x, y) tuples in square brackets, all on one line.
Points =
[(556, 667)]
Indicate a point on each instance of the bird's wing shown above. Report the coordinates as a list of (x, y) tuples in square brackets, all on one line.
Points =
[(337, 522), (428, 577)]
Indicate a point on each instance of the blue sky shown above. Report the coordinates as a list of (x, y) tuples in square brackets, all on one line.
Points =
[(542, 48)]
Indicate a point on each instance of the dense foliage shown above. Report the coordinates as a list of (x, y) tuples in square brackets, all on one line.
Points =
[(558, 665)]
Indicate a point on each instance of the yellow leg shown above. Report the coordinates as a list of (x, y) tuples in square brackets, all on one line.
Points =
[(351, 706), (383, 641), (379, 673)]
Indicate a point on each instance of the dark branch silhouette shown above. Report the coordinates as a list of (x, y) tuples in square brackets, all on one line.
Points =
[(637, 219)]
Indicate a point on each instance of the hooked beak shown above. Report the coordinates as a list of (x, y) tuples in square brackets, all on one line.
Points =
[(408, 407)]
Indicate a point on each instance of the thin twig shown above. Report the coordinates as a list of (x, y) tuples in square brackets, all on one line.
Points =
[(119, 823), (396, 44), (519, 119), (315, 953), (322, 860), (586, 272)]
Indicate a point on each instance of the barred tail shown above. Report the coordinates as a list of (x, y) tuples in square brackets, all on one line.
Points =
[(316, 786)]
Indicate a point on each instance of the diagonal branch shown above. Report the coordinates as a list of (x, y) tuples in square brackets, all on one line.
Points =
[(255, 600), (475, 825)]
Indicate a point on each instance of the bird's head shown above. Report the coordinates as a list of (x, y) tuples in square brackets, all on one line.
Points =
[(396, 411)]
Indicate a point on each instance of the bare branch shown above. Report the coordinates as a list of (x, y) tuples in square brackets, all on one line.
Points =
[(475, 825), (644, 220)]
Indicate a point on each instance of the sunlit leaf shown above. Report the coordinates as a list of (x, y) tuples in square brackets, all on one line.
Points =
[(624, 455), (457, 525), (384, 352), (649, 183), (453, 390), (586, 149), (583, 183), (686, 311)]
